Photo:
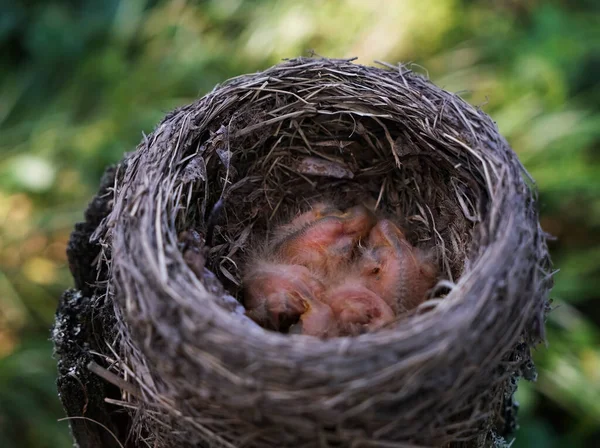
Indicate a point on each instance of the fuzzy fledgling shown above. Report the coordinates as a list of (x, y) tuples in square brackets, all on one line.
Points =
[(332, 273), (324, 238), (394, 269)]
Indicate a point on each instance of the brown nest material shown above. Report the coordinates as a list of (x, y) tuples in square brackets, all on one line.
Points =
[(152, 346)]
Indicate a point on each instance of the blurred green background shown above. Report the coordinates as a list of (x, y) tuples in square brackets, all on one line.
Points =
[(81, 80)]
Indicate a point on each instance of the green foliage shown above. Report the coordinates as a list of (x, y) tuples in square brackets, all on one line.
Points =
[(86, 78), (28, 398)]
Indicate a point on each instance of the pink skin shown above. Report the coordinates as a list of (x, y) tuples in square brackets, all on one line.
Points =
[(327, 243), (278, 295), (357, 309), (316, 249), (395, 270), (318, 211), (318, 320), (290, 230)]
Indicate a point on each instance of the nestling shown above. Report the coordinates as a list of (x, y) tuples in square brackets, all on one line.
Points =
[(324, 238), (396, 271), (332, 273), (357, 309)]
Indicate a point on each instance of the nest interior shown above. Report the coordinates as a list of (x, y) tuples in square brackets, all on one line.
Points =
[(180, 364)]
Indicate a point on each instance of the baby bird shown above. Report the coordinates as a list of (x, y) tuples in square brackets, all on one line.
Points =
[(277, 294), (357, 309), (393, 269), (336, 273), (317, 211), (324, 239), (285, 287), (285, 297)]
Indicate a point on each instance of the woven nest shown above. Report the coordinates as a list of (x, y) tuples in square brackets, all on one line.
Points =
[(153, 347)]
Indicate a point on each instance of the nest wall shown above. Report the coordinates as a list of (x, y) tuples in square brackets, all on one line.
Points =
[(179, 362)]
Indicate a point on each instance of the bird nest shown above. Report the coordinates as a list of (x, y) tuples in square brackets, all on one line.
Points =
[(155, 350)]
